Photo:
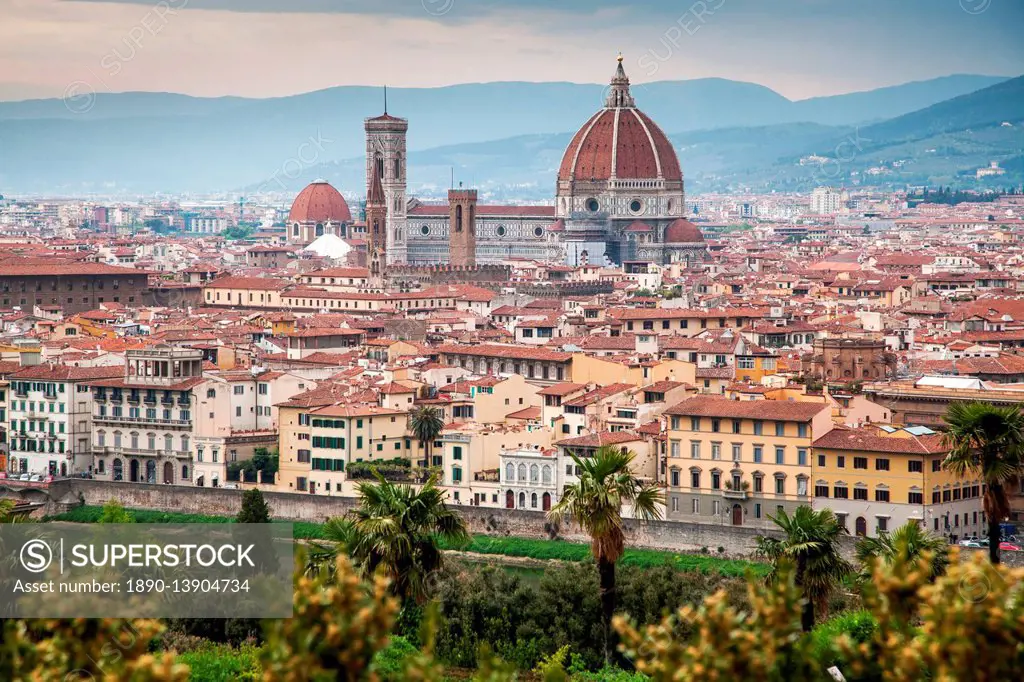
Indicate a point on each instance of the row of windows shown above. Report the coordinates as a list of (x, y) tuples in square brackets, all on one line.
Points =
[(842, 492), (881, 463), (534, 474), (27, 445), (736, 482), (321, 464), (134, 440), (150, 413), (29, 426), (736, 452), (70, 300), (736, 426)]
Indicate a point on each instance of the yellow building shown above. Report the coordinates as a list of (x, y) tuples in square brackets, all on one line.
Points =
[(876, 478), (735, 462), (589, 369)]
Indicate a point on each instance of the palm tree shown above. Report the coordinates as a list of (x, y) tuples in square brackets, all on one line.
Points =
[(396, 529), (339, 535), (426, 423), (986, 441), (909, 542), (595, 504), (811, 542)]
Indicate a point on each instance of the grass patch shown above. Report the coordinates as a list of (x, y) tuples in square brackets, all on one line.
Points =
[(222, 663), (560, 550)]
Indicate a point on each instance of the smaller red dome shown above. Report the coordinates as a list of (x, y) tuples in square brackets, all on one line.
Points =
[(682, 231), (319, 202), (638, 226)]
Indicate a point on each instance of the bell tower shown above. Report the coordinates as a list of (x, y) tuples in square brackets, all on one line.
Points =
[(386, 159), (462, 226), (376, 232)]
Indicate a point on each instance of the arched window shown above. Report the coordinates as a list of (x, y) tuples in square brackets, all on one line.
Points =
[(151, 441), (522, 472), (534, 473), (398, 167), (319, 230), (102, 466), (522, 500), (118, 470), (117, 439), (545, 475), (295, 230), (510, 472), (533, 501), (379, 160), (185, 445), (458, 218), (184, 472), (168, 442), (134, 440)]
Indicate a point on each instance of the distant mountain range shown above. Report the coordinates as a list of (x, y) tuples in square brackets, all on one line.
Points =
[(506, 138)]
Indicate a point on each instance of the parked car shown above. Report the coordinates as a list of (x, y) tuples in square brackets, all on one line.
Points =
[(24, 477), (36, 478), (1009, 547), (967, 540), (976, 544), (230, 486)]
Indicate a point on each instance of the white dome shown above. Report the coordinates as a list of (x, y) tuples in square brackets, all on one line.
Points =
[(330, 246)]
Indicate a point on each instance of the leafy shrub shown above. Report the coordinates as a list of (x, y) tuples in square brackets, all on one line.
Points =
[(390, 663), (221, 663)]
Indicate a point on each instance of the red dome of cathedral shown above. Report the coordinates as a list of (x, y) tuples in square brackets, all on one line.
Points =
[(621, 142), (681, 231), (319, 202)]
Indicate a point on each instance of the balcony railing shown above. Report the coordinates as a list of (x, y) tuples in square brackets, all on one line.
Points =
[(140, 420), (138, 452), (735, 494)]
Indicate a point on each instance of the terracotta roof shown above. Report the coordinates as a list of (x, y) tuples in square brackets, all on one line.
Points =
[(682, 231), (527, 413), (259, 283), (48, 372), (772, 410), (503, 352), (868, 439), (596, 440), (561, 389)]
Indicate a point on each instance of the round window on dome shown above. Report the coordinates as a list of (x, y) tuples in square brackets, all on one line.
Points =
[(500, 231), (636, 206), (425, 230), (538, 231), (592, 205)]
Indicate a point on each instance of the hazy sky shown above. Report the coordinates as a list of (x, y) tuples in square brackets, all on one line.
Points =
[(800, 48)]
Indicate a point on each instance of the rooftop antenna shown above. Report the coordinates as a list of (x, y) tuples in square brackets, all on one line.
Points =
[(452, 186), (385, 99)]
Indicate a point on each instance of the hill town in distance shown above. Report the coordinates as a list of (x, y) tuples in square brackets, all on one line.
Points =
[(493, 370)]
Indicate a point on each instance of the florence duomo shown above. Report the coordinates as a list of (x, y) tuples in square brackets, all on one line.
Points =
[(619, 196)]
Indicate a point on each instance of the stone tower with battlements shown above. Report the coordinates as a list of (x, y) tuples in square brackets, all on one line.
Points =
[(462, 226)]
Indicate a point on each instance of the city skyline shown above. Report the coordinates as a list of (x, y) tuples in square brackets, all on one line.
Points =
[(271, 48)]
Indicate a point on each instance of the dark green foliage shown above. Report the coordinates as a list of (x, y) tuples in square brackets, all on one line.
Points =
[(233, 631), (254, 508), (524, 622), (263, 459)]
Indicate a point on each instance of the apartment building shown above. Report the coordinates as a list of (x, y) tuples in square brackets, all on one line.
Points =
[(144, 420), (50, 410), (876, 478), (735, 462)]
